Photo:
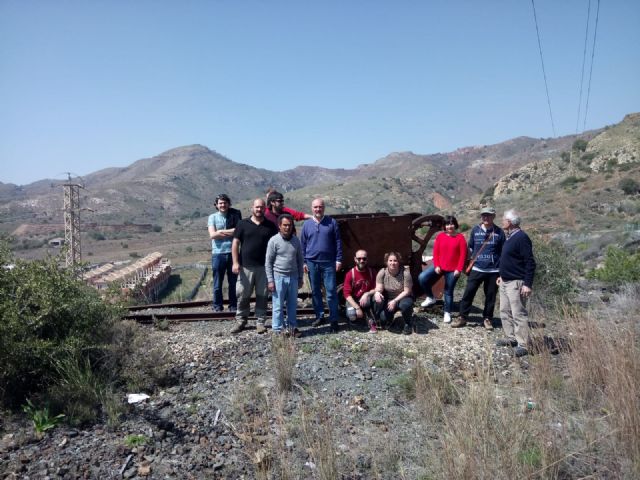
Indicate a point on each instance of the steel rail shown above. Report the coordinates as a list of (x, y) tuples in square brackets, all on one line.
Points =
[(198, 316)]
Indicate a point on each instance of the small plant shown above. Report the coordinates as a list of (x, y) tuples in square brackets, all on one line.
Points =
[(384, 363), (307, 348), (405, 383), (161, 324), (135, 440), (334, 343), (41, 419)]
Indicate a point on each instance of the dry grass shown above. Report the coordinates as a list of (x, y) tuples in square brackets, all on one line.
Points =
[(283, 349), (250, 416), (319, 438), (605, 370), (573, 415)]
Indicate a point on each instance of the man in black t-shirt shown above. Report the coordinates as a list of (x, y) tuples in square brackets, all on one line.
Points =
[(248, 251)]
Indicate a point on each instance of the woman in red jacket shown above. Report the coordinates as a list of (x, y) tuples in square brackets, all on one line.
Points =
[(449, 255)]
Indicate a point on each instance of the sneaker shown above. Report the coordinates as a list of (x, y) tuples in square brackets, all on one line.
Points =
[(260, 328), (373, 328), (239, 326), (216, 309), (295, 333), (519, 351), (428, 302), (231, 309), (447, 317), (317, 322), (334, 327), (506, 342), (487, 324), (407, 330), (459, 322)]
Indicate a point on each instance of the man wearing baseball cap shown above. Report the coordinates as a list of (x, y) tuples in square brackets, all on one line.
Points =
[(485, 246)]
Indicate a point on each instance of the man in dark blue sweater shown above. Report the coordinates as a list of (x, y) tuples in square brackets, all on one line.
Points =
[(517, 267), (485, 246), (322, 250)]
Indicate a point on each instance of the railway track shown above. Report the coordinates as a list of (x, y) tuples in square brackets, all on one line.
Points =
[(186, 312)]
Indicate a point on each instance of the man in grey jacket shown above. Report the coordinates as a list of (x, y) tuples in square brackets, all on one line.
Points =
[(284, 267)]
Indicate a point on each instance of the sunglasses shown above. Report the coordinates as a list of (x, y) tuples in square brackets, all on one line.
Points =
[(361, 259)]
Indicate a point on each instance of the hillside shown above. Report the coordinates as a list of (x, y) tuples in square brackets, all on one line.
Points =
[(183, 181)]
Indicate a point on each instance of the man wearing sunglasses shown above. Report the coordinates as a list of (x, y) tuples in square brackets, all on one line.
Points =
[(275, 208), (358, 289)]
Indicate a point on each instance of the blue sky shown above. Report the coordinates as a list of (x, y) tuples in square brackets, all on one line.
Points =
[(86, 85)]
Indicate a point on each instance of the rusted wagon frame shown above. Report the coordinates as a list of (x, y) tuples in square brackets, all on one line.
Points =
[(379, 233)]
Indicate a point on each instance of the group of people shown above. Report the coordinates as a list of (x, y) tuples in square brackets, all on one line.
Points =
[(263, 254)]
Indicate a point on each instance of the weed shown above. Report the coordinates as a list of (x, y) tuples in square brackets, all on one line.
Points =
[(161, 324), (385, 363), (40, 418), (406, 384), (307, 348), (335, 343), (135, 440)]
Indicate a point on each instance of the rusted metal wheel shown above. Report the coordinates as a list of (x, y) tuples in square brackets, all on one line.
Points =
[(435, 223)]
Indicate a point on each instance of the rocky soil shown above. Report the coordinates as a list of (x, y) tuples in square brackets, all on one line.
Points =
[(223, 415)]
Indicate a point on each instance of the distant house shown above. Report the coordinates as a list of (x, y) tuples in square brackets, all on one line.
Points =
[(56, 242)]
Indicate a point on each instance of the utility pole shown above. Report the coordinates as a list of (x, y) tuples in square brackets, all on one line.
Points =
[(72, 222)]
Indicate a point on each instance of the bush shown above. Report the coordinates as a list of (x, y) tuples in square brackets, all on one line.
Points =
[(580, 145), (629, 186), (554, 282), (47, 315), (571, 180), (64, 347), (619, 267)]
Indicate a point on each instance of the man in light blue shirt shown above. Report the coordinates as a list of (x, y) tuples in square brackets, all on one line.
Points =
[(221, 227)]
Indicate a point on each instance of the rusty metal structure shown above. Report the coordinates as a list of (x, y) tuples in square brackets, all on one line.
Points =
[(379, 233)]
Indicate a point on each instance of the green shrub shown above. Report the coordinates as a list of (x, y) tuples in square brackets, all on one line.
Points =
[(47, 314), (579, 145), (571, 181), (554, 282), (619, 267), (629, 186)]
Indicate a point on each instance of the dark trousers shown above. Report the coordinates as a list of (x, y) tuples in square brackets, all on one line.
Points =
[(474, 280), (405, 305), (221, 264)]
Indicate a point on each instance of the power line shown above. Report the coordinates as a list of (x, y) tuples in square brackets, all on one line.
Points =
[(584, 59), (593, 52), (544, 73)]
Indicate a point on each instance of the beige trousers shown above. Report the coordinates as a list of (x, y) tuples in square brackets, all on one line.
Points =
[(513, 312)]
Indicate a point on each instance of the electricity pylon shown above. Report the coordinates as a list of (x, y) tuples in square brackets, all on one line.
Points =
[(72, 222)]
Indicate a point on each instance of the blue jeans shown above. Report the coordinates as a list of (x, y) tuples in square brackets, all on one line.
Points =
[(221, 263), (429, 276), (323, 273), (286, 294)]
